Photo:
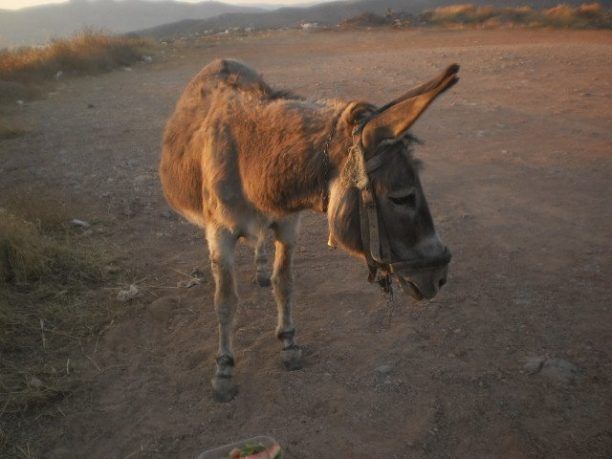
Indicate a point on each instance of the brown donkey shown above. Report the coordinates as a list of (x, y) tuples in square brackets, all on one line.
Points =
[(240, 158)]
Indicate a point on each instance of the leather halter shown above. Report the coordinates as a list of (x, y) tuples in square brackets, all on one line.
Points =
[(375, 242), (375, 239), (376, 249)]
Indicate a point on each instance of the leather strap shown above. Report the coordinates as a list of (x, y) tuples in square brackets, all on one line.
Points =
[(365, 230), (369, 206), (375, 240)]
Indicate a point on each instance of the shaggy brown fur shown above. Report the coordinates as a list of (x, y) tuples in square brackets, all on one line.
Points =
[(229, 106)]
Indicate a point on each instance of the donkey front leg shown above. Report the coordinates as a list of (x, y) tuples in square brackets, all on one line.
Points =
[(282, 283), (262, 276), (221, 246)]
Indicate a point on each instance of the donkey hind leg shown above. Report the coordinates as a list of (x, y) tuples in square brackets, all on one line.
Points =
[(262, 275), (221, 246), (282, 283)]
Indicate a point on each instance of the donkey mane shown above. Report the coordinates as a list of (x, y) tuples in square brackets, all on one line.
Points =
[(353, 173), (236, 75)]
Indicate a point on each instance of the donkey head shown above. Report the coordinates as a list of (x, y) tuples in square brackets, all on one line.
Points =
[(377, 207)]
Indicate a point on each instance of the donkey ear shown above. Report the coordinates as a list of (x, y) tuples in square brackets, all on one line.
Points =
[(358, 112), (397, 119), (420, 89)]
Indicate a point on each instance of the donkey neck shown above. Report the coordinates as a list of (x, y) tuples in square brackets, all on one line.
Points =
[(296, 158)]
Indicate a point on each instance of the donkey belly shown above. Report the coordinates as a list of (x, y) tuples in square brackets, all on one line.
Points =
[(230, 209)]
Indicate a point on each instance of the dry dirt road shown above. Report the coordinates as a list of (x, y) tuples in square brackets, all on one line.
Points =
[(518, 170)]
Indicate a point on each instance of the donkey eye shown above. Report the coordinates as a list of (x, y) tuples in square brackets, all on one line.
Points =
[(408, 200)]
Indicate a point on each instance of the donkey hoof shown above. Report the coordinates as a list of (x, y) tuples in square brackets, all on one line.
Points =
[(263, 280), (292, 358), (224, 389)]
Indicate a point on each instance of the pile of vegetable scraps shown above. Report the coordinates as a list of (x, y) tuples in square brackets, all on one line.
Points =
[(256, 451)]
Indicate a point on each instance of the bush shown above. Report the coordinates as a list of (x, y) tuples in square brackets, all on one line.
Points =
[(585, 15), (87, 52), (591, 15), (465, 14)]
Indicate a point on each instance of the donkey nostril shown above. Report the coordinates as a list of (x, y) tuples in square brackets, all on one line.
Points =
[(442, 282)]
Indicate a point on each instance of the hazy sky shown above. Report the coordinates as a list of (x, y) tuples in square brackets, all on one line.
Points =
[(15, 4)]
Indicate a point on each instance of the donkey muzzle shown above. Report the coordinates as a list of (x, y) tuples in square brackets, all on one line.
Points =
[(423, 277)]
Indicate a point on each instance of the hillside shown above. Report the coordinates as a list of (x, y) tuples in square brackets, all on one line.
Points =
[(325, 14), (38, 24)]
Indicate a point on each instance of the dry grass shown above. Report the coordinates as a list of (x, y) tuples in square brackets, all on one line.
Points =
[(591, 15), (588, 15), (581, 16), (466, 13), (27, 256), (87, 52), (48, 309)]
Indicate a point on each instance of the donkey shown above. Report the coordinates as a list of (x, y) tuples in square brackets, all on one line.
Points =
[(240, 158)]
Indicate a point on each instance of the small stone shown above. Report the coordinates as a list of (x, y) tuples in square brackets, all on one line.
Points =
[(384, 369), (534, 364), (557, 369), (128, 295), (79, 223), (111, 269)]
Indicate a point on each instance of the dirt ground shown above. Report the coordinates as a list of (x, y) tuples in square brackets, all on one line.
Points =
[(518, 170)]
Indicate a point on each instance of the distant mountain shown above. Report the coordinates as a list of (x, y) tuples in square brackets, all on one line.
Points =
[(38, 24), (326, 14)]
